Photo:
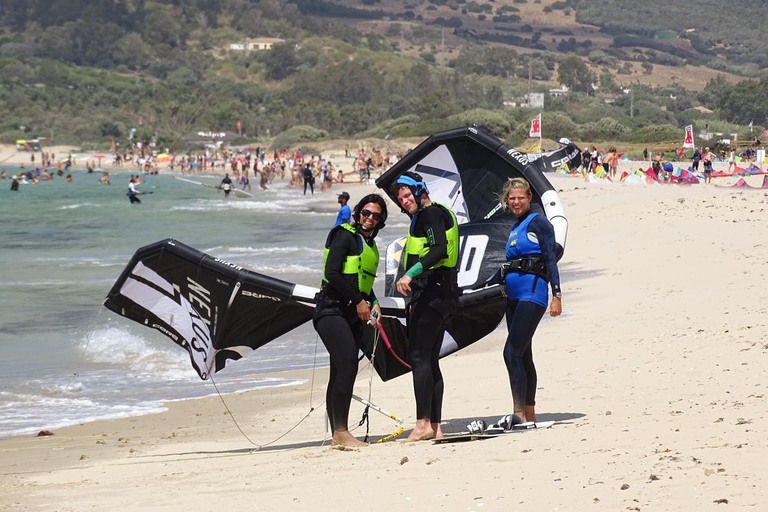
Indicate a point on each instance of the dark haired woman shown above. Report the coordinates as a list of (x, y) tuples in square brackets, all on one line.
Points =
[(346, 300)]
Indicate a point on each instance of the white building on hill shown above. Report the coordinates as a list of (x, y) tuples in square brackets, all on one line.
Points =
[(256, 44)]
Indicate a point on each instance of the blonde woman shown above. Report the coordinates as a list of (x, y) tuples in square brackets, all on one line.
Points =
[(531, 264)]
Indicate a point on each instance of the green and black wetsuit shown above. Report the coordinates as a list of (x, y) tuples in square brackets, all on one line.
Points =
[(430, 256), (349, 268)]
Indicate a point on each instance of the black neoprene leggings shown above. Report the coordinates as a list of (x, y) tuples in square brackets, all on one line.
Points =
[(308, 181), (425, 335), (342, 344), (522, 320)]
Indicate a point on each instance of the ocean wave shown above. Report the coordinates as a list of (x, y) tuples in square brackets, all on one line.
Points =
[(258, 251), (53, 282), (76, 205), (117, 346), (66, 262), (284, 269)]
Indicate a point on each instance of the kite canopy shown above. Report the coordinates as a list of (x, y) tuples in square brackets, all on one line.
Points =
[(205, 304), (466, 169)]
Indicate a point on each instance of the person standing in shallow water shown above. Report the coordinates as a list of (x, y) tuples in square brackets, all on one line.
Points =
[(133, 194), (344, 213), (429, 259), (346, 300), (531, 264)]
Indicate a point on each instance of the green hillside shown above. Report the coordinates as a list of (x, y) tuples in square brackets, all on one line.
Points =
[(88, 71)]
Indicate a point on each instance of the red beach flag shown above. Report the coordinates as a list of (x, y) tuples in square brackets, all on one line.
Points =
[(535, 127)]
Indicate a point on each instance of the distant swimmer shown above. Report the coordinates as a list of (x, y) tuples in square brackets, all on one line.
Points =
[(70, 179), (226, 186), (15, 184), (3, 175), (132, 192), (105, 179)]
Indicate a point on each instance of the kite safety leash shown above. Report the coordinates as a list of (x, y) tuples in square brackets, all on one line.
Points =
[(379, 331), (376, 408)]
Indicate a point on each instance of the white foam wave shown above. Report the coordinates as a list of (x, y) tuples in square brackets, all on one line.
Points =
[(53, 282), (76, 205), (285, 269), (116, 346), (82, 261), (258, 251)]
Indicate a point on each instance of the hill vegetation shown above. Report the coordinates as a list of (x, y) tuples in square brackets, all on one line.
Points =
[(90, 71)]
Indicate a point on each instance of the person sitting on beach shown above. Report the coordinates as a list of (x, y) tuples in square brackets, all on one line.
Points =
[(531, 264), (656, 168), (346, 300), (667, 170)]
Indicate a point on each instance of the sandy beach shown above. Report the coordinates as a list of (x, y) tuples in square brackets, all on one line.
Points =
[(655, 375)]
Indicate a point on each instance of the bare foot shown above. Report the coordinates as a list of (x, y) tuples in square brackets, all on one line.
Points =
[(437, 430), (530, 413), (345, 438), (421, 432)]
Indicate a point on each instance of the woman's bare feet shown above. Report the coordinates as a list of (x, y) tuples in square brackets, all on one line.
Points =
[(437, 430), (345, 438), (422, 431), (528, 415)]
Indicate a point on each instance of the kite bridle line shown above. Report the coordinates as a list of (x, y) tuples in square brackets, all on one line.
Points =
[(311, 391), (311, 395)]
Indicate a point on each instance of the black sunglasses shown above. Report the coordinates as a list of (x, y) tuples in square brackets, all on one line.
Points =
[(368, 213)]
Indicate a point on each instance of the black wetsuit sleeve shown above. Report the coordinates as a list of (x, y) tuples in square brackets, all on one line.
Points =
[(545, 233), (342, 245), (433, 225)]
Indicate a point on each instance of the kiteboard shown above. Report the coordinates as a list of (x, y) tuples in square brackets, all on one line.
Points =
[(492, 432), (237, 193)]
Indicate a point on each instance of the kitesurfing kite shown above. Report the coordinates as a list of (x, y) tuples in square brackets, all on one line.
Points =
[(219, 311)]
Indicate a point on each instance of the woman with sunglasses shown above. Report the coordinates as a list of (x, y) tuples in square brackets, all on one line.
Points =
[(345, 301)]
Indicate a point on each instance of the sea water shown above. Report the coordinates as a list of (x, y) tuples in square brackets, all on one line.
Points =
[(66, 359)]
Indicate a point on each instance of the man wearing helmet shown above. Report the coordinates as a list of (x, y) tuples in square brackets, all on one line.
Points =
[(429, 261)]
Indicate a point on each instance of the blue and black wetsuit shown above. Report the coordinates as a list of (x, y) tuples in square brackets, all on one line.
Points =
[(532, 241)]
